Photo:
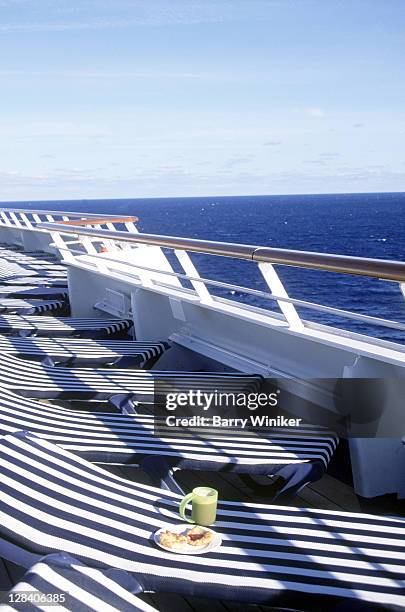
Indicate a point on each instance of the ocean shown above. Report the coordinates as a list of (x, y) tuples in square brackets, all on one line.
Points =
[(365, 225)]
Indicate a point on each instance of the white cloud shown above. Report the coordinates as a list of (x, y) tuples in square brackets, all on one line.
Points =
[(315, 112), (117, 74), (98, 15), (54, 129), (329, 155), (237, 161), (176, 180)]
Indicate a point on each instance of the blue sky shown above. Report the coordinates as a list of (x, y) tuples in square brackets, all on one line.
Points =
[(139, 98)]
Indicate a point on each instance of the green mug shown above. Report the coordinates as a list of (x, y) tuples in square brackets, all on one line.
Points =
[(204, 506)]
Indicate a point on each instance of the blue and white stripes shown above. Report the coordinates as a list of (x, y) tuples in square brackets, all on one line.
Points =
[(82, 349), (36, 380), (62, 326), (62, 582), (52, 500), (109, 437)]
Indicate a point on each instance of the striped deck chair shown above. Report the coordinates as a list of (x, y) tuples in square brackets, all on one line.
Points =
[(17, 269), (84, 351), (38, 281), (31, 307), (15, 255), (36, 380), (34, 263), (12, 272), (28, 278), (28, 257), (31, 291), (52, 500), (63, 582), (65, 326), (104, 437), (18, 249), (9, 252)]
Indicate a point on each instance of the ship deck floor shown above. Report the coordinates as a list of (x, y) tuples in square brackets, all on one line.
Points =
[(328, 493)]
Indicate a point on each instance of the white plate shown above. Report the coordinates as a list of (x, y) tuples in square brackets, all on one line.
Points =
[(187, 549)]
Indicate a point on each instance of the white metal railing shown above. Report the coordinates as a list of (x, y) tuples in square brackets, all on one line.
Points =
[(30, 219), (94, 240)]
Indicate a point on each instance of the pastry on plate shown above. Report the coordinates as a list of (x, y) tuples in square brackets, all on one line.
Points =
[(198, 536), (169, 539)]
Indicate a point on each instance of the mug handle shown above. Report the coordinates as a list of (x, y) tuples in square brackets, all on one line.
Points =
[(182, 508)]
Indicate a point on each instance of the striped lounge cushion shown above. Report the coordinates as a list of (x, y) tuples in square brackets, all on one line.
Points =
[(65, 326), (26, 255), (64, 583), (21, 255), (117, 438), (26, 258), (52, 500), (19, 251), (32, 263), (30, 291), (38, 281), (20, 306), (36, 380), (8, 271), (82, 349)]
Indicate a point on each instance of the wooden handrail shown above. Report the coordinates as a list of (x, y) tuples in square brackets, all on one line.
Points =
[(98, 221), (54, 213)]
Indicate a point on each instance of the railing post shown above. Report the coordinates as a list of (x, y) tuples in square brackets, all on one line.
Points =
[(105, 243), (88, 245), (26, 221), (277, 288), (15, 219), (5, 218), (131, 227), (110, 244), (190, 269), (60, 244)]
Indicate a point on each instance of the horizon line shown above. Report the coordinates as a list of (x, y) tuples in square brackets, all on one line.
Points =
[(256, 195)]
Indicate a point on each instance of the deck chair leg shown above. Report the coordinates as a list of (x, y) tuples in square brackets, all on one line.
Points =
[(27, 311), (127, 361), (48, 361), (27, 333), (58, 361), (296, 477), (161, 473), (124, 403)]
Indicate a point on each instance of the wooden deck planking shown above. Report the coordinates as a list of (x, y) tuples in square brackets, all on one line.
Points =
[(328, 493), (169, 602)]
